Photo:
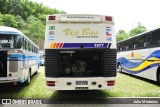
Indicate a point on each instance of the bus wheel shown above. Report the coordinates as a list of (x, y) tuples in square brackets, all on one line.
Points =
[(119, 68), (29, 78)]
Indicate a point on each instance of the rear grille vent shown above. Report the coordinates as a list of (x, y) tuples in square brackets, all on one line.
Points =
[(51, 63), (110, 63)]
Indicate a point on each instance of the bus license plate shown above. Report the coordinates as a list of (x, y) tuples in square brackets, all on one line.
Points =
[(81, 82)]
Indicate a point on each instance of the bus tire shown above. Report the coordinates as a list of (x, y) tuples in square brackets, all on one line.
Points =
[(119, 68), (29, 78)]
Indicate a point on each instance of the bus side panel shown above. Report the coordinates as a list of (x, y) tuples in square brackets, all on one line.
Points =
[(155, 53), (140, 62), (34, 64), (15, 64)]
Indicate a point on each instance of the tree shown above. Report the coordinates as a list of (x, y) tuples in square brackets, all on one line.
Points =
[(31, 19), (36, 31), (15, 7), (139, 29), (21, 23), (9, 20), (121, 35), (26, 15), (1, 20)]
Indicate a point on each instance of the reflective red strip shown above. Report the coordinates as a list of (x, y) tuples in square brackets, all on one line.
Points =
[(61, 45), (50, 83), (111, 83), (58, 44)]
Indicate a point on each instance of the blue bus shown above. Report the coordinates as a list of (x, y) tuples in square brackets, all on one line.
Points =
[(19, 58)]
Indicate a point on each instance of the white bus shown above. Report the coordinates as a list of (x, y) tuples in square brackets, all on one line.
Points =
[(140, 55), (18, 56), (80, 52)]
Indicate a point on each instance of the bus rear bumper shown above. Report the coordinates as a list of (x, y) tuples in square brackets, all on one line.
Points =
[(90, 83)]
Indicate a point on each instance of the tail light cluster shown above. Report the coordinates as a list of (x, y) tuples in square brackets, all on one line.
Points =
[(51, 17), (108, 18), (111, 83), (50, 83)]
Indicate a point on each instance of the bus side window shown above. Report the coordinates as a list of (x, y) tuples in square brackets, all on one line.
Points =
[(131, 44), (32, 49), (25, 44), (29, 47), (127, 46), (135, 43), (147, 40), (155, 38), (141, 42), (122, 47), (118, 46)]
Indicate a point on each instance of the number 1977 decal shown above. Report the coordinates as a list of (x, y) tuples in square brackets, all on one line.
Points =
[(98, 45)]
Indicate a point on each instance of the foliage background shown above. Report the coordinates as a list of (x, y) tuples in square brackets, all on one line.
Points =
[(27, 16), (30, 18), (122, 34)]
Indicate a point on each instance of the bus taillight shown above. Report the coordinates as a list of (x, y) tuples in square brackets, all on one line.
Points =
[(50, 83), (108, 18), (111, 83), (52, 18)]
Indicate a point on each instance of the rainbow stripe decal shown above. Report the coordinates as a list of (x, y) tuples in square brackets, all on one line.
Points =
[(56, 45), (78, 45)]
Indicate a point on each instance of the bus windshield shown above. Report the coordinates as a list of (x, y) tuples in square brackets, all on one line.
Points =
[(8, 41)]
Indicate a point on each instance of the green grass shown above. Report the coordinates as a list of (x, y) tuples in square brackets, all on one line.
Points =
[(131, 86), (126, 86), (36, 89)]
